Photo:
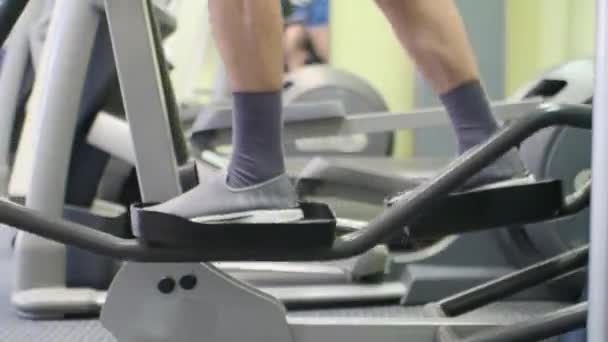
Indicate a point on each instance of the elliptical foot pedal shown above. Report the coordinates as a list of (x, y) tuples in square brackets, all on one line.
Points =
[(489, 208), (315, 231)]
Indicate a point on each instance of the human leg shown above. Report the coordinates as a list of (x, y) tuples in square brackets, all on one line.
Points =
[(317, 27), (248, 35), (294, 46), (433, 34)]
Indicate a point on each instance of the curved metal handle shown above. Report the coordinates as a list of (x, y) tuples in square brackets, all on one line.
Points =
[(578, 200)]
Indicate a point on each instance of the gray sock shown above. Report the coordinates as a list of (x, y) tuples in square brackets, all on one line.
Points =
[(473, 121), (470, 113), (257, 138)]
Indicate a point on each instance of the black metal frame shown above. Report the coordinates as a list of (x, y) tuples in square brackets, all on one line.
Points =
[(510, 284), (500, 289), (541, 328)]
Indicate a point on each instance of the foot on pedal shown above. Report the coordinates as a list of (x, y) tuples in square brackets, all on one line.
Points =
[(503, 204), (273, 201), (213, 214), (502, 195), (506, 171)]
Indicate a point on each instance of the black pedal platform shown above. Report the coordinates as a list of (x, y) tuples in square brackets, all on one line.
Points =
[(315, 231), (114, 225), (490, 208)]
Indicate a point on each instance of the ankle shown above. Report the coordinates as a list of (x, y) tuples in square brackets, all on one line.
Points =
[(242, 177), (257, 139)]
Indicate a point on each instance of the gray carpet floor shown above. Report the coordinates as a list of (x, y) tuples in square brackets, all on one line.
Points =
[(14, 329)]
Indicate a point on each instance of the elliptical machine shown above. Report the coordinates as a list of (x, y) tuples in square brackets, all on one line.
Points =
[(413, 275), (164, 311)]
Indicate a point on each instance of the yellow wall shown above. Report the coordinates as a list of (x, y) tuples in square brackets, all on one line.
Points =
[(362, 42), (582, 29), (543, 33)]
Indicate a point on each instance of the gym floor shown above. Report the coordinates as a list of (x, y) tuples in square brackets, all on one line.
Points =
[(12, 328)]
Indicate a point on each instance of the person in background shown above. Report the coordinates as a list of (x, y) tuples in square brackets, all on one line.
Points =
[(306, 36)]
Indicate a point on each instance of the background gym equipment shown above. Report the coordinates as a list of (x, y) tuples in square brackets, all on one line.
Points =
[(16, 80), (26, 49), (557, 153), (319, 83)]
